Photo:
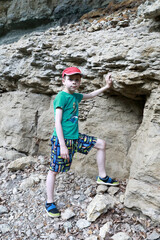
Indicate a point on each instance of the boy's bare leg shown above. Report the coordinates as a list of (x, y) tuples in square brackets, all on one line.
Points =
[(51, 178), (101, 157)]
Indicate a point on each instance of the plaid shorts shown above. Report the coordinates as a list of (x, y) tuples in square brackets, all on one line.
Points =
[(82, 145)]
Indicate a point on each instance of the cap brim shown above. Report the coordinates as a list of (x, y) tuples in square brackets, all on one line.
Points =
[(74, 73), (69, 74)]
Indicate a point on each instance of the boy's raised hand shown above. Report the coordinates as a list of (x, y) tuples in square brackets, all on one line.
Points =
[(108, 80)]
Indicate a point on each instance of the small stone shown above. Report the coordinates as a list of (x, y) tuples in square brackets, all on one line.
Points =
[(43, 160), (13, 176), (4, 228), (39, 226), (92, 237), (105, 229), (82, 223), (121, 198), (28, 233), (76, 196), (101, 189), (153, 236), (90, 29), (29, 182), (53, 236), (67, 214), (121, 236), (14, 190), (67, 225), (3, 209), (113, 190), (88, 191)]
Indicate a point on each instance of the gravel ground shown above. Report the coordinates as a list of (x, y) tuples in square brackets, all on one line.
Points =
[(23, 214)]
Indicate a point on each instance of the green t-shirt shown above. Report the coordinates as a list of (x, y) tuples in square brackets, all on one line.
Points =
[(69, 104)]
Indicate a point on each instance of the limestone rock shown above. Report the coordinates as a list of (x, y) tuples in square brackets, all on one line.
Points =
[(101, 189), (4, 228), (105, 229), (113, 190), (21, 163), (82, 223), (100, 204), (152, 10), (92, 237), (67, 214), (121, 236), (143, 182), (3, 209), (29, 182), (153, 236), (67, 225), (22, 117), (134, 198)]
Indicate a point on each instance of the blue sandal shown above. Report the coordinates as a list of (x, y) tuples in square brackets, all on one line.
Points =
[(107, 181), (52, 210)]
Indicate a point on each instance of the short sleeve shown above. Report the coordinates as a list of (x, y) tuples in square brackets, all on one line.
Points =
[(59, 101)]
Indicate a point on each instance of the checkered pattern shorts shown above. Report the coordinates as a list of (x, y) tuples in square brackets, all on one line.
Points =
[(82, 145)]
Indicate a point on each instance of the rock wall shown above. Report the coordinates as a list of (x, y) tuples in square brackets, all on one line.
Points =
[(127, 117), (20, 14)]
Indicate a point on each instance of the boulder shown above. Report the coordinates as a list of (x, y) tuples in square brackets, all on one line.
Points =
[(21, 163), (99, 205), (144, 179)]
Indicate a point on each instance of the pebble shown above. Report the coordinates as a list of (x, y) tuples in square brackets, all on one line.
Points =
[(153, 236), (102, 189), (105, 229), (113, 190), (67, 225), (67, 214), (4, 228), (121, 236), (53, 236), (82, 223), (3, 209), (92, 237)]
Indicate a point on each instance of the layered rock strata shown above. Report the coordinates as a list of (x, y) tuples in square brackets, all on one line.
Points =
[(20, 14)]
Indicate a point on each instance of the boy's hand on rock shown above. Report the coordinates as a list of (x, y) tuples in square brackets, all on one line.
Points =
[(108, 80), (64, 152)]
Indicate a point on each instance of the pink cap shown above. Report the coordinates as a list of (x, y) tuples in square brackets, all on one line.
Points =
[(71, 71)]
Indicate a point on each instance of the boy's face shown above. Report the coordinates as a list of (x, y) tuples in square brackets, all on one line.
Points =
[(71, 82)]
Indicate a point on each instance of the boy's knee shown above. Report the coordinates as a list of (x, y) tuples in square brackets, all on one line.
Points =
[(101, 144)]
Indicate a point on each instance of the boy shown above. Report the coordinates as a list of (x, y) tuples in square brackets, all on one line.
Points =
[(67, 140)]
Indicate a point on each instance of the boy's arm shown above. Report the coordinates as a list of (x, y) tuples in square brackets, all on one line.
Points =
[(99, 91), (63, 149)]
